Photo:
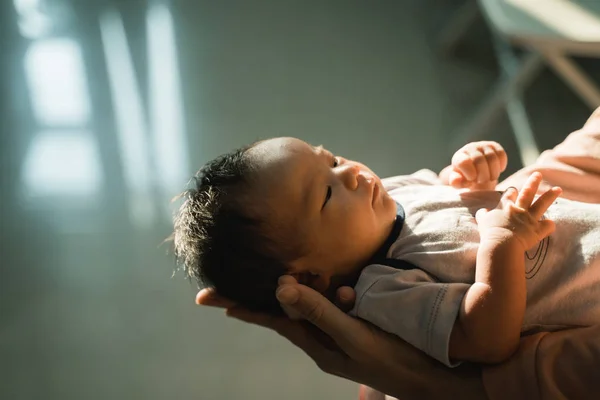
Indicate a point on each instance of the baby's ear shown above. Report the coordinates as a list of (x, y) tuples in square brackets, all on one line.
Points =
[(316, 281)]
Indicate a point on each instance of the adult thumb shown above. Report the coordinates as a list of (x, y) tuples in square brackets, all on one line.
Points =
[(308, 306), (315, 308)]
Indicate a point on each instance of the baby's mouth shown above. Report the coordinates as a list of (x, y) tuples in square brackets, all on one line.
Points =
[(375, 193)]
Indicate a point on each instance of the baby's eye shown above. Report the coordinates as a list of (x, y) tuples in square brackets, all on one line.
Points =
[(327, 196), (335, 162)]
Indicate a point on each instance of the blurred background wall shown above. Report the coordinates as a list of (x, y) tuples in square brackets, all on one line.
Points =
[(108, 107)]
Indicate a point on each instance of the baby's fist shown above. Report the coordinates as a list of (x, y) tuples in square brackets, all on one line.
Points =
[(478, 165)]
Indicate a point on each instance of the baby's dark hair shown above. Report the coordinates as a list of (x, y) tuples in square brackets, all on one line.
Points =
[(222, 237)]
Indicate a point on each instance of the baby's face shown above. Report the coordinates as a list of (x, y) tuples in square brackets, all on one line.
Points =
[(337, 206)]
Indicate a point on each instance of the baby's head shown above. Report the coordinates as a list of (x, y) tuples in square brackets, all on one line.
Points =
[(280, 206)]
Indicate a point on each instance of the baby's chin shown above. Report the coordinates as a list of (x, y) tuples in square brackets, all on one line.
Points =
[(390, 209)]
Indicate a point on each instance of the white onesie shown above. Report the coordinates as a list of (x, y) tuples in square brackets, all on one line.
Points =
[(439, 239)]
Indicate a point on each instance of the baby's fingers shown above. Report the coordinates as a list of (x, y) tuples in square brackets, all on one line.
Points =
[(456, 180), (464, 165), (508, 198), (528, 191), (479, 157), (501, 157), (480, 162), (494, 161), (543, 202)]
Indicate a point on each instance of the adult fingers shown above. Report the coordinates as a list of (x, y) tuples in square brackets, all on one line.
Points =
[(257, 318), (208, 297), (292, 330), (283, 279), (345, 298), (301, 334), (315, 308)]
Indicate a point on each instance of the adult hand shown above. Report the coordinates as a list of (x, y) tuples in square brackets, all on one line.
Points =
[(355, 349)]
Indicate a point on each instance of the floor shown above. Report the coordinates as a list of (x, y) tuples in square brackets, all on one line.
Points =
[(108, 107)]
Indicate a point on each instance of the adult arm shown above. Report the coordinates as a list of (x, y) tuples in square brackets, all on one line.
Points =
[(564, 364), (549, 365), (360, 351)]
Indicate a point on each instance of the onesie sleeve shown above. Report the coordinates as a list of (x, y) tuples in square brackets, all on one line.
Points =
[(412, 305)]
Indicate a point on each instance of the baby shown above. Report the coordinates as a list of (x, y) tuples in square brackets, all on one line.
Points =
[(445, 262)]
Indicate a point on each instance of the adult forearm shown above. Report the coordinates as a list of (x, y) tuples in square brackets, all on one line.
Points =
[(549, 365), (417, 376)]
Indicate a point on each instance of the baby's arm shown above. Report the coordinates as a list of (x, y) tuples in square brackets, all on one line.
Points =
[(475, 166), (489, 323)]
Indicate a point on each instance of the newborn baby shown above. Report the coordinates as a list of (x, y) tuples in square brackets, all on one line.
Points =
[(445, 262)]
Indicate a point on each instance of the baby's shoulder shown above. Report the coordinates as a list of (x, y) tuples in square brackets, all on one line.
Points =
[(421, 177)]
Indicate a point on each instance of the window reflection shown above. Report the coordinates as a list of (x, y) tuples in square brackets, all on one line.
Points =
[(166, 103), (63, 158), (57, 86), (131, 125), (63, 163), (33, 22)]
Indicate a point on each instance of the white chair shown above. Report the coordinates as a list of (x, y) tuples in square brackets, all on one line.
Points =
[(550, 32)]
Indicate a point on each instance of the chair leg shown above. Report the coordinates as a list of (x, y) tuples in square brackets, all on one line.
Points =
[(517, 115), (515, 107), (574, 76), (509, 86), (460, 21), (482, 118)]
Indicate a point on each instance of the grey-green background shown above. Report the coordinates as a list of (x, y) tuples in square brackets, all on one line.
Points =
[(109, 106)]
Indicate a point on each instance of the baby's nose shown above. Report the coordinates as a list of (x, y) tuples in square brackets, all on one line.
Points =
[(349, 170), (354, 169), (349, 175), (366, 176)]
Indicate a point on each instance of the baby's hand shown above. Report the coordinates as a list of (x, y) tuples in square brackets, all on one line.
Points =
[(517, 216), (477, 166)]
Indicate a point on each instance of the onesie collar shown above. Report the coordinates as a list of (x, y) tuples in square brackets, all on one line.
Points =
[(381, 254)]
